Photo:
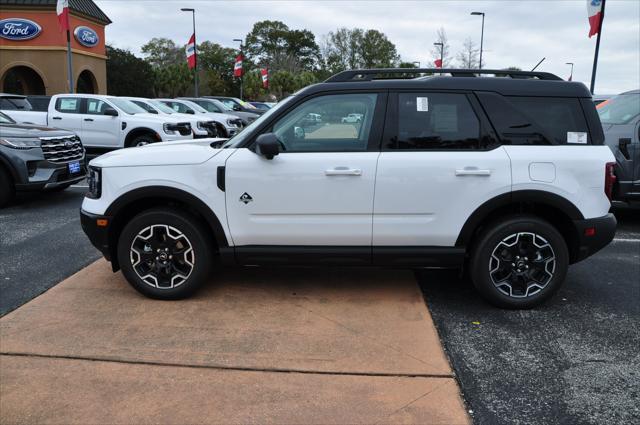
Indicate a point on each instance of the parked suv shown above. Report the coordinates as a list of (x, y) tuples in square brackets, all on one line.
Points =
[(214, 105), (37, 158), (620, 117), (506, 177)]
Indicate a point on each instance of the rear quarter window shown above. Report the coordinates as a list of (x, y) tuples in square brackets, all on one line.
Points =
[(525, 120)]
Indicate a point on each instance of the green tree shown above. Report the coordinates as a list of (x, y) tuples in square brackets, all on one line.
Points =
[(356, 48), (128, 75), (274, 44), (173, 80), (161, 52), (216, 66)]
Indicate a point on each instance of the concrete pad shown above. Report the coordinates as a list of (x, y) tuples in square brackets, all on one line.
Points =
[(46, 390), (303, 319)]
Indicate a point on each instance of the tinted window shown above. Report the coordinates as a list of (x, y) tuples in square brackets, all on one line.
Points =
[(15, 104), (328, 124), (620, 110), (432, 121), (69, 105), (209, 106), (536, 120)]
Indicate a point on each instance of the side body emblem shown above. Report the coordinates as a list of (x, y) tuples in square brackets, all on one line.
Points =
[(246, 198)]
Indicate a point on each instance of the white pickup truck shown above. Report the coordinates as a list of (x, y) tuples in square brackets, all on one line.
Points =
[(105, 122)]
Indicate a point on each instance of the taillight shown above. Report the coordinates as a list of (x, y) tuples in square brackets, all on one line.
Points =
[(609, 179)]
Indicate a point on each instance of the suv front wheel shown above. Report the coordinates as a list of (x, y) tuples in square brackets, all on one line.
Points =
[(519, 262), (165, 254)]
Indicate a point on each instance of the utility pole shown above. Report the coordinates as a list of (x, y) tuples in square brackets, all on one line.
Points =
[(195, 51), (481, 36)]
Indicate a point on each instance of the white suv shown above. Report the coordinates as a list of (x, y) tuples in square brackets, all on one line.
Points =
[(445, 171)]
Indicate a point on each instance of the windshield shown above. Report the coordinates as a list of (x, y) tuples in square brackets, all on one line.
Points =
[(620, 110), (161, 107), (4, 119), (150, 109), (244, 134), (221, 105), (15, 104), (195, 106), (127, 106)]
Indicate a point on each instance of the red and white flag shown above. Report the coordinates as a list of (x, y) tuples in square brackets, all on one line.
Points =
[(594, 10), (191, 52), (264, 73), (237, 66), (62, 10), (438, 63)]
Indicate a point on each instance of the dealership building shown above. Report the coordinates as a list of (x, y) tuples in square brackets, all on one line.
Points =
[(33, 49)]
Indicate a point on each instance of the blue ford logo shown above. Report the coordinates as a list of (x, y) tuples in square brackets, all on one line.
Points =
[(19, 29), (86, 36)]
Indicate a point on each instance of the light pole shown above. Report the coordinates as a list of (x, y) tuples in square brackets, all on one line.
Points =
[(195, 52), (570, 75), (441, 53), (481, 36), (242, 72)]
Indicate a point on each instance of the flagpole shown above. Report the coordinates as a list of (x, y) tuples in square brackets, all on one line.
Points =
[(595, 56), (69, 62)]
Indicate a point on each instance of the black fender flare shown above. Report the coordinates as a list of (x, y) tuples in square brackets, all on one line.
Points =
[(135, 132), (530, 196), (170, 193), (5, 163)]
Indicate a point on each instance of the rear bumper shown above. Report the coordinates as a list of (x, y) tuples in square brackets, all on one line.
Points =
[(99, 236), (605, 230)]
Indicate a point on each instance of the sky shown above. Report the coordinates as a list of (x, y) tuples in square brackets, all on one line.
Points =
[(517, 33)]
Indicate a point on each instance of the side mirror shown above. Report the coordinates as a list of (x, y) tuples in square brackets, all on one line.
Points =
[(623, 145), (191, 111), (110, 112), (267, 145), (237, 108)]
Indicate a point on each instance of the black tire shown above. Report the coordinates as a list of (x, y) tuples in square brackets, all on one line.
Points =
[(528, 279), (7, 189), (131, 243), (141, 140)]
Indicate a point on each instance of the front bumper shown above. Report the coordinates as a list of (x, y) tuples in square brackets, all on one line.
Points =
[(591, 241), (98, 235), (46, 175)]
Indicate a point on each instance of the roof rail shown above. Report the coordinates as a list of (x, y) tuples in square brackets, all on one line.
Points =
[(369, 74)]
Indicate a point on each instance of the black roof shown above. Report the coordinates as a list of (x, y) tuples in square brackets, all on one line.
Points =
[(525, 84), (83, 7)]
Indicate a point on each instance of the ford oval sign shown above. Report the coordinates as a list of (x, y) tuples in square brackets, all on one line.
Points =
[(19, 29), (86, 36)]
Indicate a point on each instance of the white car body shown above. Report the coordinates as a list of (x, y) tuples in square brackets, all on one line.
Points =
[(231, 123), (198, 125), (69, 112)]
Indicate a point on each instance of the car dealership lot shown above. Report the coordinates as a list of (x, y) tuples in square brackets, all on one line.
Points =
[(573, 360)]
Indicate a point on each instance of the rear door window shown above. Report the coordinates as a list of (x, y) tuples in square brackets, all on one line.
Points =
[(525, 120), (433, 121)]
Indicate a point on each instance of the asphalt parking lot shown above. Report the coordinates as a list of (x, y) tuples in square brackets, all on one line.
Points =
[(573, 360)]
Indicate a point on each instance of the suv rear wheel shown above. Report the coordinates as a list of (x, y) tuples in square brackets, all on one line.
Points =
[(165, 254), (519, 262), (6, 188)]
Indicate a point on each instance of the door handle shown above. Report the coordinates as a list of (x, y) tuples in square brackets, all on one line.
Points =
[(57, 118), (343, 171), (473, 171), (88, 119)]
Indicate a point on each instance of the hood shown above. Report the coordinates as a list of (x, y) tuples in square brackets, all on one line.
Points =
[(247, 116), (183, 152), (31, 131), (218, 116), (154, 118)]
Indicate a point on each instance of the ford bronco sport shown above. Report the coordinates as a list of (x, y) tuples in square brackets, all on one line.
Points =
[(506, 177)]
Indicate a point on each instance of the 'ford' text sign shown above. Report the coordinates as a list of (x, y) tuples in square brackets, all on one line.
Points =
[(18, 29), (86, 36)]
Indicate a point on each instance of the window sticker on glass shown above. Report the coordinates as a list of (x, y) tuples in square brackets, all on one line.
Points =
[(422, 104), (68, 103), (577, 137), (445, 118)]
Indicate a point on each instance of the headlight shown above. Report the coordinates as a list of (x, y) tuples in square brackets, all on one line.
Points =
[(232, 123), (169, 128), (20, 143), (201, 125), (94, 179)]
